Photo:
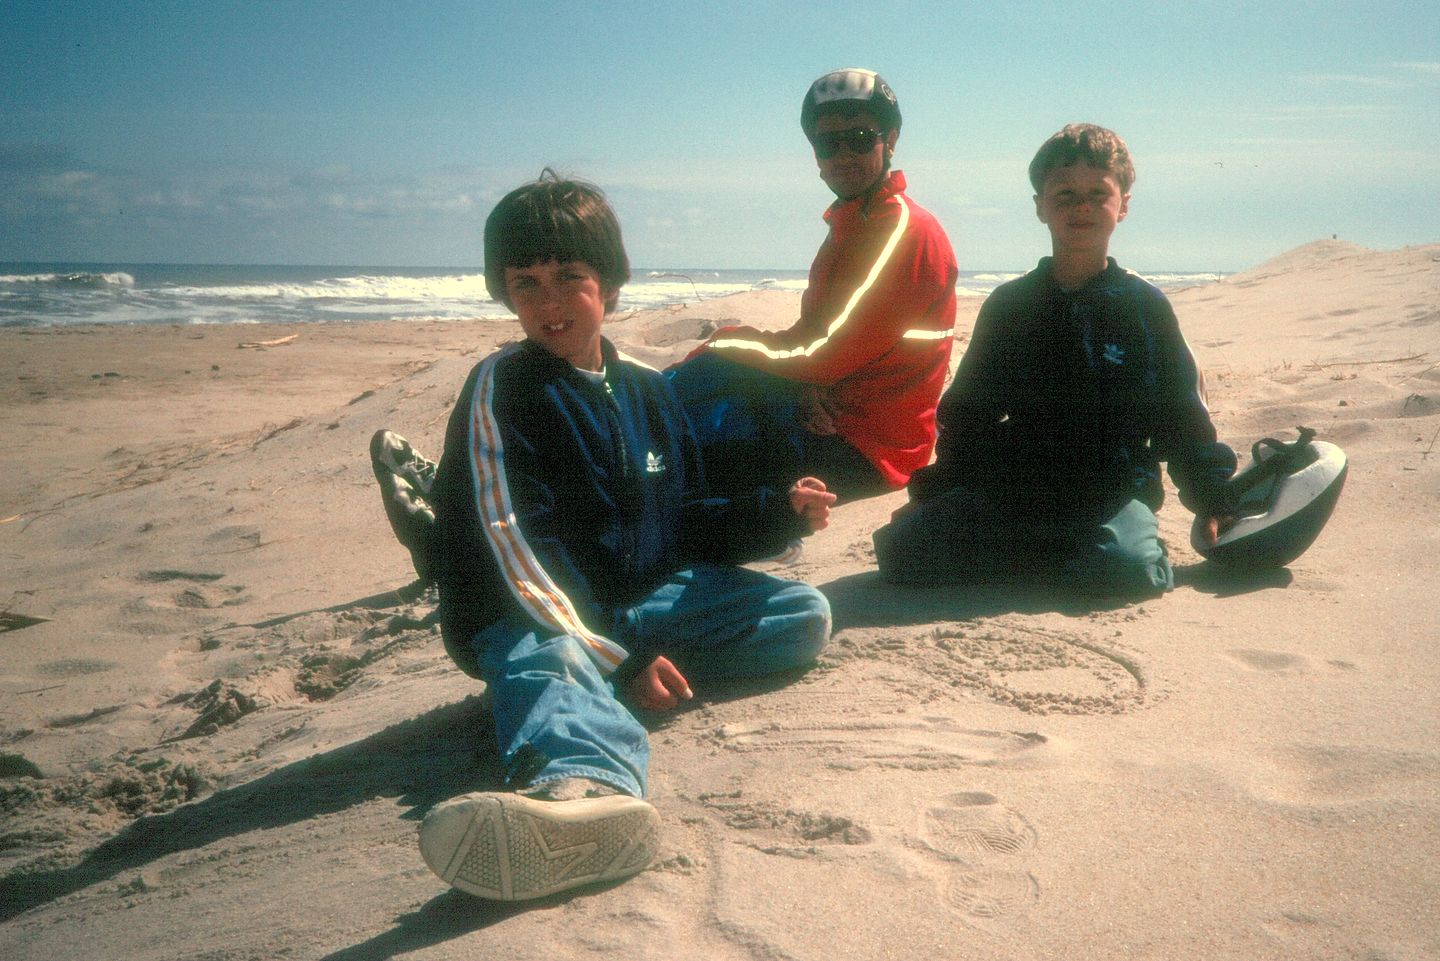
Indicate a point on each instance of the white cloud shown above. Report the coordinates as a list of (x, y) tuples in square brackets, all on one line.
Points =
[(1353, 80), (1313, 112)]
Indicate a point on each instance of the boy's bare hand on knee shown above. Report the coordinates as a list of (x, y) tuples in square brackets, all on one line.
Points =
[(660, 686), (812, 501)]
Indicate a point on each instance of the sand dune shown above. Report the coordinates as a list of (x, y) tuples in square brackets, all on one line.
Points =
[(224, 710)]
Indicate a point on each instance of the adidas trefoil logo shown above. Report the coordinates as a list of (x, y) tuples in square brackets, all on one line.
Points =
[(654, 463), (1115, 354)]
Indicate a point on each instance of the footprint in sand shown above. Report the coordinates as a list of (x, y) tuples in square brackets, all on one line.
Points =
[(914, 744), (1303, 933), (986, 842), (1318, 781), (988, 894), (234, 539), (1276, 662), (313, 656), (200, 590), (976, 825), (206, 597), (774, 829), (861, 550)]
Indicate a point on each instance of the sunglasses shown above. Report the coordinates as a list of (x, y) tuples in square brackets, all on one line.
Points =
[(857, 141)]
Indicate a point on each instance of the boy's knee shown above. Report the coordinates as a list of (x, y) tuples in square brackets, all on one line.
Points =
[(1134, 560), (893, 542), (821, 619), (514, 653), (566, 654), (812, 622), (1132, 535), (925, 541)]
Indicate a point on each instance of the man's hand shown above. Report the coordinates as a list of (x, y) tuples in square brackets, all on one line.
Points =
[(812, 501), (660, 686), (817, 411)]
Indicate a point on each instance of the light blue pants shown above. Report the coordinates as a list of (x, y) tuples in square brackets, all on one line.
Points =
[(557, 716)]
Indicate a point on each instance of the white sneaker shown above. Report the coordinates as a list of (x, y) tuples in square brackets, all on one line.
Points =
[(509, 847)]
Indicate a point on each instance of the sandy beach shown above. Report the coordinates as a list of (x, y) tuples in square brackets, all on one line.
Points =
[(224, 707)]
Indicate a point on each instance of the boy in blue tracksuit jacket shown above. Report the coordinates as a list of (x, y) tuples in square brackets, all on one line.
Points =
[(1076, 384), (579, 558)]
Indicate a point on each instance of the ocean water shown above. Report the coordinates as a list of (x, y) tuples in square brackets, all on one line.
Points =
[(39, 295)]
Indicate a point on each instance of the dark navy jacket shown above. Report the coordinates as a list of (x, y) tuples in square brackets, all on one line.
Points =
[(564, 501), (1071, 399)]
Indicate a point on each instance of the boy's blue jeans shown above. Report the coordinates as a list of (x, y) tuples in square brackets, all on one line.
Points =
[(557, 716)]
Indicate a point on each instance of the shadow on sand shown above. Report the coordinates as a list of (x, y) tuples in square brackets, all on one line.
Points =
[(448, 916), (866, 600), (1231, 582), (433, 757), (421, 762)]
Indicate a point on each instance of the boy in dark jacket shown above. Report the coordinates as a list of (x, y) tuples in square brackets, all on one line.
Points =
[(1077, 383), (579, 562)]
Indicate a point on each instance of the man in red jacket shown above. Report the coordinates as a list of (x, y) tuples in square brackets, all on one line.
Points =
[(848, 393)]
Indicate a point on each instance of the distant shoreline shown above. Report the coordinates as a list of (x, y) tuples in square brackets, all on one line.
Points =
[(69, 293)]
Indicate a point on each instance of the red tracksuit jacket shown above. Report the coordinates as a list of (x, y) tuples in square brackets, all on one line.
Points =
[(876, 327)]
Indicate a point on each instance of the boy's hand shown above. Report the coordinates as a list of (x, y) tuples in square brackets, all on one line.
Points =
[(660, 686), (1209, 529), (812, 501)]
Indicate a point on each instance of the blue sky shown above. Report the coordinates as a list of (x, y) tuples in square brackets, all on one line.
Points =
[(381, 133)]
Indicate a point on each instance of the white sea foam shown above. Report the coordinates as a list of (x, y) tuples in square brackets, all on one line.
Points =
[(460, 287), (40, 295), (72, 280)]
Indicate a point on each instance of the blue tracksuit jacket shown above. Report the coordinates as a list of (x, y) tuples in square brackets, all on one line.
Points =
[(565, 501)]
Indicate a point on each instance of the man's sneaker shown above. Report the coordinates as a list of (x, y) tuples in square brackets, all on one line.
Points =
[(392, 452), (510, 847), (405, 480)]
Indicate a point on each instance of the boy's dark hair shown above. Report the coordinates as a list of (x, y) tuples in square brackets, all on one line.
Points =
[(1088, 144), (554, 219)]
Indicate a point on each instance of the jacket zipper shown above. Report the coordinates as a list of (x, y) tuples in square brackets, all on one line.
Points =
[(613, 410), (629, 489)]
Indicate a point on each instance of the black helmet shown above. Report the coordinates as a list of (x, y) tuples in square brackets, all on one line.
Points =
[(1281, 502), (851, 85)]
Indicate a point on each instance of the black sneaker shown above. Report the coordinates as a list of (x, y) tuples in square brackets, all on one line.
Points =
[(512, 847), (405, 480)]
